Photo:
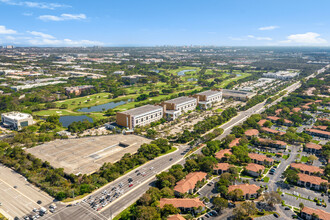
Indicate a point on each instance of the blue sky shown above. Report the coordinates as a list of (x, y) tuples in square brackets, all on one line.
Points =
[(165, 22)]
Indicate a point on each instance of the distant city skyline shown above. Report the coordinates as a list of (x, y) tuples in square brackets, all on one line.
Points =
[(154, 23)]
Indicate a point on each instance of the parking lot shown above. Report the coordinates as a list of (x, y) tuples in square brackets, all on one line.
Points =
[(17, 196), (86, 155)]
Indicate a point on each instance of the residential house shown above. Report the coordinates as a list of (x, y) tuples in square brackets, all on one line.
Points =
[(307, 169), (272, 131), (254, 169), (272, 143), (261, 159), (262, 122), (313, 148), (318, 133), (310, 213), (188, 184), (185, 205), (313, 182), (251, 133), (220, 154), (249, 191), (176, 217), (234, 142), (221, 168)]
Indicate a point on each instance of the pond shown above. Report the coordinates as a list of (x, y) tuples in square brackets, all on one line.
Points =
[(68, 119), (103, 107), (182, 72)]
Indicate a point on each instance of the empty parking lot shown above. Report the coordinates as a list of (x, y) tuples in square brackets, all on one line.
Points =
[(86, 155), (17, 196)]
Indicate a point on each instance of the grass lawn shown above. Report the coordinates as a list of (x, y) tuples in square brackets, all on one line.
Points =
[(285, 156), (246, 176), (266, 179), (124, 212), (226, 82), (219, 110), (268, 153), (304, 159), (315, 141)]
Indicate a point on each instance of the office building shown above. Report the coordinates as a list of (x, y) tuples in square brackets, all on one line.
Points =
[(209, 97), (16, 120), (178, 106), (140, 116)]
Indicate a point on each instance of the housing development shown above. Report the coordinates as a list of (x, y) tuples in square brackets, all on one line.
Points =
[(164, 133)]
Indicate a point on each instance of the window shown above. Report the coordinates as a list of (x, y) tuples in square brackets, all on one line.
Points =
[(137, 121)]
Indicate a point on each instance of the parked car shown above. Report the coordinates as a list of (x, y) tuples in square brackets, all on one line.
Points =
[(276, 215)]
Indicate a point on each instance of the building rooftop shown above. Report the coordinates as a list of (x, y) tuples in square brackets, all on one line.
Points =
[(209, 92), (181, 203), (246, 188), (234, 142), (323, 215), (220, 154), (16, 115), (319, 131), (251, 132), (314, 146), (176, 217), (260, 157), (222, 166), (180, 100), (272, 131), (142, 109), (311, 179), (237, 92), (189, 182), (304, 167), (254, 167)]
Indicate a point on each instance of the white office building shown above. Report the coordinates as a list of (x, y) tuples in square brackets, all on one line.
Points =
[(16, 120)]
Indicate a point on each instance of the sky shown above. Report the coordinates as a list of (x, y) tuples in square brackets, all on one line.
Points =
[(165, 22)]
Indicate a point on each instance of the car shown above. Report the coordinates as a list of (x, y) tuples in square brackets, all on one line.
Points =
[(15, 187), (138, 174), (287, 208), (151, 168), (52, 210), (39, 202), (207, 216), (209, 184), (137, 171), (210, 213), (276, 215), (171, 159), (130, 185), (130, 179)]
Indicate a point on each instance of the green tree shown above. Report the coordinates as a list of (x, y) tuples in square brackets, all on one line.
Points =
[(219, 203)]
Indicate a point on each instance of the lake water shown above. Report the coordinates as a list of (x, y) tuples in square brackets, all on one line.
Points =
[(182, 72), (68, 119), (103, 107)]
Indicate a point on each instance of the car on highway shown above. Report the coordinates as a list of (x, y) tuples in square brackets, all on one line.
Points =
[(171, 159), (130, 185)]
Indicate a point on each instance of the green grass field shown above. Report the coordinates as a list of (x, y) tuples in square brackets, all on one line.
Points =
[(304, 159)]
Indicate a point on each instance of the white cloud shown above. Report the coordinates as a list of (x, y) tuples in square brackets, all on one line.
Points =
[(27, 14), (42, 35), (305, 39), (268, 28), (65, 42), (260, 38), (62, 17), (4, 30), (42, 5)]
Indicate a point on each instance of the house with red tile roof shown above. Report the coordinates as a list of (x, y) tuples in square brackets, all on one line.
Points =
[(275, 119), (234, 142), (272, 143), (307, 169), (262, 122), (278, 111), (313, 148), (296, 109), (221, 168), (188, 184), (313, 182), (185, 205), (220, 154), (261, 159), (254, 169), (307, 213), (249, 191), (320, 127), (318, 133), (251, 133), (272, 131), (176, 217)]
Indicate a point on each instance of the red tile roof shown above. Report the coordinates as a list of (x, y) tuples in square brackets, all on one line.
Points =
[(321, 127), (304, 167), (251, 132), (273, 118), (181, 203), (254, 167), (222, 166), (260, 157), (262, 122), (311, 179), (246, 188), (189, 182), (323, 215), (269, 130), (318, 131), (296, 109), (278, 111), (234, 142), (269, 141), (176, 217), (222, 153), (314, 146), (323, 119)]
